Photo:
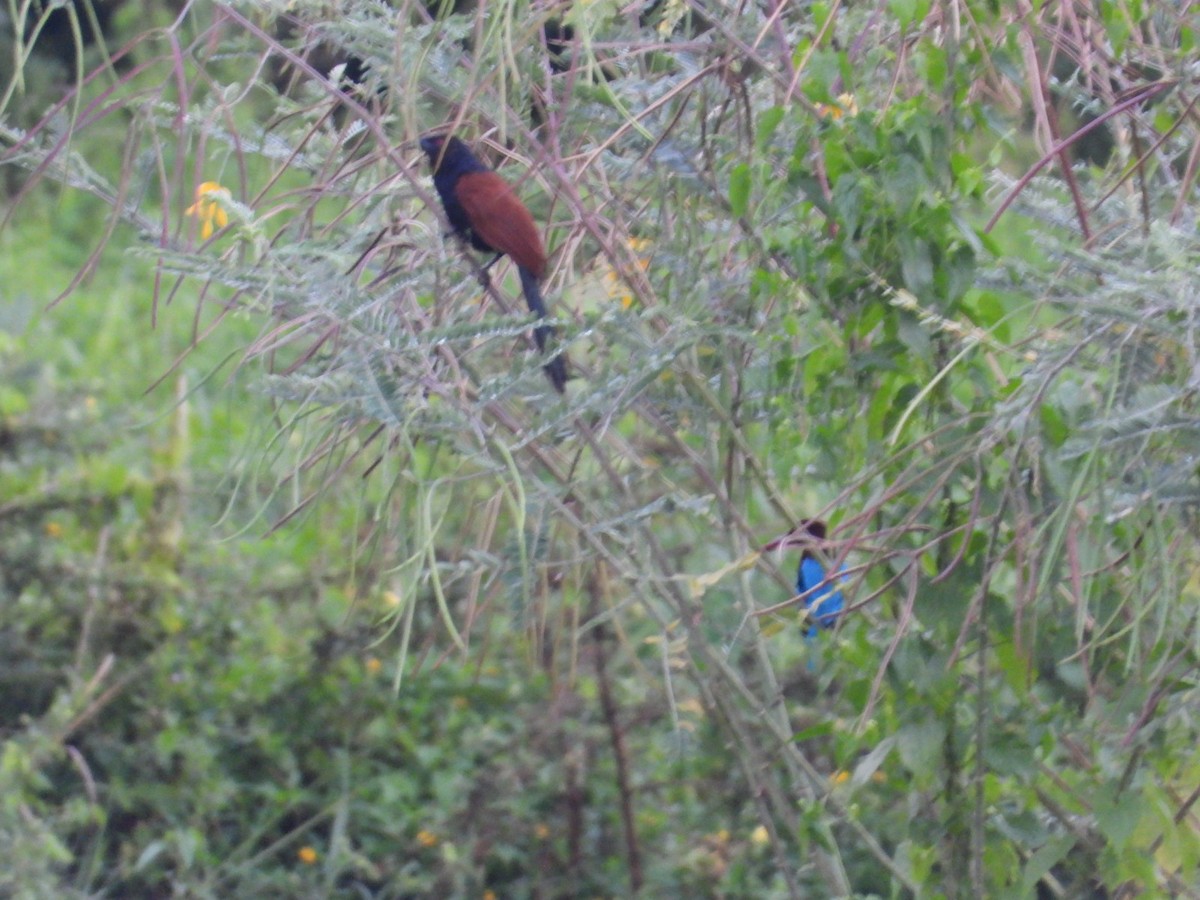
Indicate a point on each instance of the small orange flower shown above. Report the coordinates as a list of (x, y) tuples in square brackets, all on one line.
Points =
[(841, 776), (53, 530), (373, 665), (426, 838), (489, 894), (541, 831), (209, 207), (307, 855)]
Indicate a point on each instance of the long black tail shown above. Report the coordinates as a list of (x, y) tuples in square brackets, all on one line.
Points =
[(556, 368)]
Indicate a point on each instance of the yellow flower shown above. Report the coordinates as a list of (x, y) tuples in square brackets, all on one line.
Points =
[(846, 105), (759, 835), (307, 855), (489, 894), (391, 599), (673, 11), (426, 838), (616, 290), (209, 208), (373, 665), (53, 530), (841, 776), (540, 831)]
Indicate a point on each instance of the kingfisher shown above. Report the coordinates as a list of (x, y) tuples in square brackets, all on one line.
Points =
[(822, 597)]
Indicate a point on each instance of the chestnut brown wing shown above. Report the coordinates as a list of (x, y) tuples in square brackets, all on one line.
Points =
[(501, 220)]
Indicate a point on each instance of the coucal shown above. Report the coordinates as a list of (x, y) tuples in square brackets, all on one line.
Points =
[(821, 597), (483, 209)]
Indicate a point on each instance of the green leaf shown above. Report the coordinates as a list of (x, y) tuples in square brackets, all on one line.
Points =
[(916, 860), (870, 764), (968, 174), (824, 67), (819, 730), (1044, 859), (917, 265), (1014, 666), (819, 12), (986, 309), (768, 121), (920, 746), (1117, 818), (739, 189), (935, 68), (151, 852), (909, 11), (1053, 426)]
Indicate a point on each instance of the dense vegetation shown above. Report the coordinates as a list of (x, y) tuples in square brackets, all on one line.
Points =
[(311, 586)]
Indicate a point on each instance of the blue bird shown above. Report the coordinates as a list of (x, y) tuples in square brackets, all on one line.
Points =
[(822, 598)]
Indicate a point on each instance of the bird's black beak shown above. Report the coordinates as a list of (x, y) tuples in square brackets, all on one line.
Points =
[(431, 144)]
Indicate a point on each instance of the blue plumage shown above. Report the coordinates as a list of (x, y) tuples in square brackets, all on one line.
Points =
[(822, 596), (825, 603)]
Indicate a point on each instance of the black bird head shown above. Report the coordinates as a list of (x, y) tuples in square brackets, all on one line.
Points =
[(448, 155), (432, 144), (807, 533)]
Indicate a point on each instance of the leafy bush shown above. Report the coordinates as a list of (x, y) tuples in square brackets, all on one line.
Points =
[(453, 635)]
